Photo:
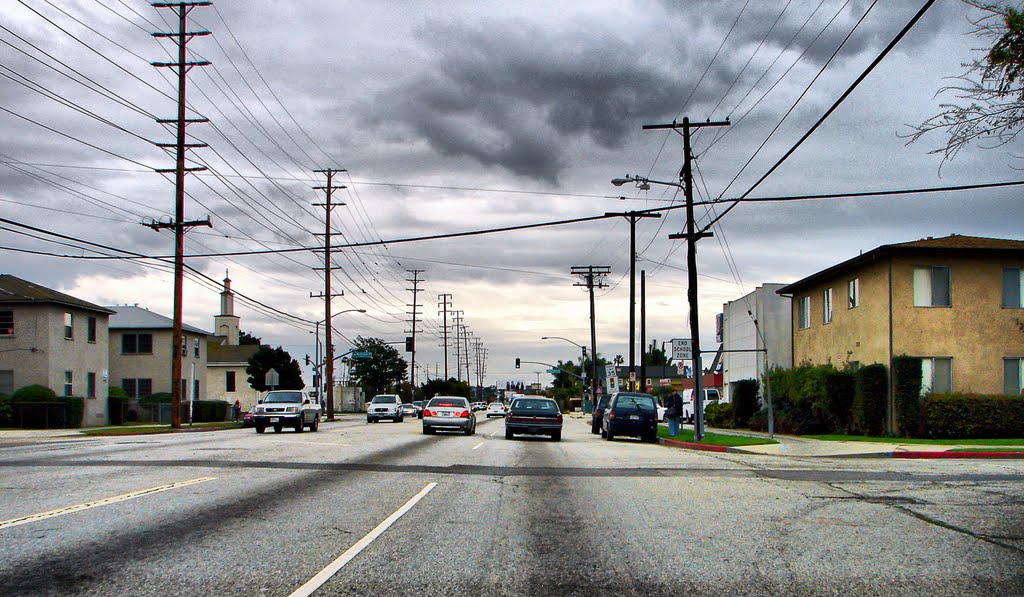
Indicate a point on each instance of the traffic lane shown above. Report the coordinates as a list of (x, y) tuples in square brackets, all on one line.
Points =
[(251, 532)]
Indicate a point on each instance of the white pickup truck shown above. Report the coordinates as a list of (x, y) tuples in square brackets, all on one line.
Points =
[(711, 396), (286, 408)]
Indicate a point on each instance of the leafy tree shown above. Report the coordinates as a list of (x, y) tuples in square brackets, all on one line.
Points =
[(247, 338), (278, 359), (566, 377), (989, 94), (619, 360), (655, 356), (445, 387), (384, 369)]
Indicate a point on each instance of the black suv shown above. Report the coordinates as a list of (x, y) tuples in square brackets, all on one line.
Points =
[(598, 414), (633, 414)]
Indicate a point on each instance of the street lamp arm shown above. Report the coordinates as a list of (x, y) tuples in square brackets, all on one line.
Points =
[(643, 183), (561, 338)]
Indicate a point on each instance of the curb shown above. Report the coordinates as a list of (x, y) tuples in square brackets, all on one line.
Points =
[(956, 454), (692, 445)]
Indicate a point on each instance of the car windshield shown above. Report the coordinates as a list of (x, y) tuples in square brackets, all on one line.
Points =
[(385, 399), (283, 397), (448, 401), (534, 404), (636, 401)]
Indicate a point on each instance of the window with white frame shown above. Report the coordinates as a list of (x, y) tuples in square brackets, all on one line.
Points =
[(932, 286), (69, 327), (853, 293), (1013, 289), (804, 312), (1013, 376), (195, 348), (826, 306), (936, 375), (6, 323), (69, 379)]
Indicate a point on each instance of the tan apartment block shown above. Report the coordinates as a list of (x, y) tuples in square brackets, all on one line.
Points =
[(955, 301)]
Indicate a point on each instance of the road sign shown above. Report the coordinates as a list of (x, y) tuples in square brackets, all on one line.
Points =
[(554, 371), (272, 379), (664, 382), (682, 349), (361, 355), (632, 376)]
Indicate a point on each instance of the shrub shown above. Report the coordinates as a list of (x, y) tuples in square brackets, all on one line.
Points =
[(76, 409), (870, 398), (6, 412), (720, 415), (759, 421), (800, 398), (69, 416), (839, 392), (154, 399), (117, 400), (972, 415), (744, 400), (209, 411), (34, 393), (906, 389)]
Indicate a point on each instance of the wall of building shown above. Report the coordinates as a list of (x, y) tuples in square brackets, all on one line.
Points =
[(976, 331), (216, 387), (157, 366), (739, 333)]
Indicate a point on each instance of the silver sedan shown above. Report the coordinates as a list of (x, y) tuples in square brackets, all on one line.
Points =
[(452, 413)]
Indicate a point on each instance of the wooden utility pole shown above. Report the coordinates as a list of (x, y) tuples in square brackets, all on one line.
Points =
[(691, 236), (444, 301), (643, 330), (181, 37), (457, 316), (593, 277), (415, 290), (328, 205)]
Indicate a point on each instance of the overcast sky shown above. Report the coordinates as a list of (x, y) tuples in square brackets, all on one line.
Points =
[(459, 116)]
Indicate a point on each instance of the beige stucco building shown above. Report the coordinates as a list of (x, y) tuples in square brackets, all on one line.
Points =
[(227, 358), (54, 340), (955, 301), (140, 353)]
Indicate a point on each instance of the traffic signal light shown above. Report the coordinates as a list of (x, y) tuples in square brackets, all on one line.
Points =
[(584, 352), (517, 362), (307, 360), (408, 344)]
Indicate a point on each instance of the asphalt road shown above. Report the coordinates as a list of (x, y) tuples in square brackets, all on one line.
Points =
[(232, 512)]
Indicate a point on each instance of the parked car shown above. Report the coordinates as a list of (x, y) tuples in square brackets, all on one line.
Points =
[(711, 396), (495, 409), (452, 413), (384, 406), (534, 416), (419, 408), (633, 414), (408, 409), (598, 415), (249, 418), (286, 408)]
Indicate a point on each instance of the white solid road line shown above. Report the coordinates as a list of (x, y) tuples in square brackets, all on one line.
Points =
[(493, 434), (324, 575), (103, 502), (478, 445)]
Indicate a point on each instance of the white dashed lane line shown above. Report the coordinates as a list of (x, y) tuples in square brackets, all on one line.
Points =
[(478, 445), (102, 502)]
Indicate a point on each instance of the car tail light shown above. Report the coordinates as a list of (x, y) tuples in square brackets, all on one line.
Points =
[(428, 413), (611, 414), (559, 417), (464, 414)]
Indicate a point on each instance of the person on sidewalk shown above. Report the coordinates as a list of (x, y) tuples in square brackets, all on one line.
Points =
[(236, 409), (673, 410)]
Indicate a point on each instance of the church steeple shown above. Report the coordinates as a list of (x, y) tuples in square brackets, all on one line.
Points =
[(226, 324)]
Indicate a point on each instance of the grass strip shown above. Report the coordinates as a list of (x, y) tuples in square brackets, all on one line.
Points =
[(918, 440), (156, 429), (715, 439)]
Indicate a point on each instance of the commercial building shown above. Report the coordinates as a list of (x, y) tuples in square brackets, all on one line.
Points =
[(767, 344)]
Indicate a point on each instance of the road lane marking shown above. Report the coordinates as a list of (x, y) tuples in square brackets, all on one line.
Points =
[(478, 445), (493, 434), (299, 441), (102, 502), (324, 575)]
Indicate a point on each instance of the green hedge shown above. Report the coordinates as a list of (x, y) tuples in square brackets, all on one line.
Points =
[(744, 400), (906, 389), (117, 400), (840, 388), (34, 393), (720, 415), (972, 415), (870, 399), (209, 411), (6, 412), (154, 399)]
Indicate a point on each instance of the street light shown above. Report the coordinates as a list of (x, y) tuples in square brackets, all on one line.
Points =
[(583, 360)]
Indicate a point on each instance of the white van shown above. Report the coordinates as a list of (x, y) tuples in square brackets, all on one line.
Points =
[(711, 396)]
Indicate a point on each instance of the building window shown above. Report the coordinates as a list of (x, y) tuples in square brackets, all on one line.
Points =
[(137, 344), (826, 306), (229, 381), (1013, 290), (936, 375), (931, 286), (137, 388), (853, 293), (69, 378), (195, 348), (195, 389), (90, 384), (804, 312), (7, 381), (184, 346), (184, 389), (91, 330), (69, 328), (1013, 376), (6, 323)]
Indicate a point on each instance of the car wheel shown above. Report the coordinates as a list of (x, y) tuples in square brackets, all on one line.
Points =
[(398, 419), (316, 425), (601, 431), (557, 436), (470, 431), (608, 435), (278, 428), (595, 428), (427, 430), (299, 427), (260, 429), (509, 434)]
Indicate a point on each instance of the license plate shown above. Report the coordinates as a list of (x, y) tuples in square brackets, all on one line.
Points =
[(275, 420), (634, 417)]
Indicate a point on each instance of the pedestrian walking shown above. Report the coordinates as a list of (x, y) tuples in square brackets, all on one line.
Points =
[(674, 410), (236, 409)]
